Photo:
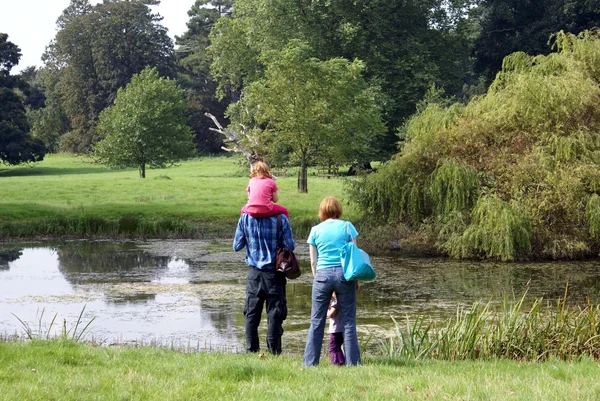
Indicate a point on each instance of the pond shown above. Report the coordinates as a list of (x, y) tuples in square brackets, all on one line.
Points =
[(190, 294)]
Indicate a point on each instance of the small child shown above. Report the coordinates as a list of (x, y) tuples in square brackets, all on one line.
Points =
[(262, 193), (336, 336)]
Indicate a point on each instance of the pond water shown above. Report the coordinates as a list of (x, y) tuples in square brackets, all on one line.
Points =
[(190, 294)]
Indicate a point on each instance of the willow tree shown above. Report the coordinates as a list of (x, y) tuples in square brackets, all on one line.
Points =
[(513, 174), (312, 108)]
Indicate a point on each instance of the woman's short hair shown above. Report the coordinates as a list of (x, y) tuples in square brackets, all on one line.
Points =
[(330, 208), (260, 169)]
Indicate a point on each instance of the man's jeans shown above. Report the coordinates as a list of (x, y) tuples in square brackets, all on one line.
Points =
[(327, 281), (264, 286)]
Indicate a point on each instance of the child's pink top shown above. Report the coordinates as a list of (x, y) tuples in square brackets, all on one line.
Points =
[(260, 195)]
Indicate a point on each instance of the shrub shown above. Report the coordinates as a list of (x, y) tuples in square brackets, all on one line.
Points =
[(511, 174)]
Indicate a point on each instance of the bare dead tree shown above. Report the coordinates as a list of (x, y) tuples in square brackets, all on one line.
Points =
[(233, 139)]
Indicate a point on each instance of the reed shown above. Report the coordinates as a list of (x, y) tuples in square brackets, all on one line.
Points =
[(86, 226), (45, 332), (538, 332)]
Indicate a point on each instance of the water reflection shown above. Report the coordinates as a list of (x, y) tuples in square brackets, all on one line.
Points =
[(133, 295), (8, 255), (85, 263), (191, 293)]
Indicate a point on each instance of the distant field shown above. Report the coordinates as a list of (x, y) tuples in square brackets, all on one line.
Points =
[(203, 191)]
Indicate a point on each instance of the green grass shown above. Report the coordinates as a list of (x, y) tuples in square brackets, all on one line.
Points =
[(64, 370), (67, 195)]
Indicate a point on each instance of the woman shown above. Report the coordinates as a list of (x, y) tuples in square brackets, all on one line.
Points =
[(325, 240)]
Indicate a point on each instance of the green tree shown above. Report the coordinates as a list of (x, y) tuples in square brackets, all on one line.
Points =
[(406, 45), (146, 126), (194, 71), (17, 145), (34, 91), (316, 109), (95, 52), (509, 26), (46, 117), (47, 120)]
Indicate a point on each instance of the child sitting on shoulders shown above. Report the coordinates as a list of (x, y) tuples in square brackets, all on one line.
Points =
[(262, 193)]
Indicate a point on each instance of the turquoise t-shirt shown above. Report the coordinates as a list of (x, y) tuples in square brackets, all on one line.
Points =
[(328, 237)]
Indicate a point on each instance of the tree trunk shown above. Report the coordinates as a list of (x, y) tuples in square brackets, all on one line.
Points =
[(142, 170), (302, 177), (302, 181)]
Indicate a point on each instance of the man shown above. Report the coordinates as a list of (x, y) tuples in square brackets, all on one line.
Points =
[(263, 282)]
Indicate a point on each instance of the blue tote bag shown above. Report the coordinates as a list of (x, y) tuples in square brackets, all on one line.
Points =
[(355, 262)]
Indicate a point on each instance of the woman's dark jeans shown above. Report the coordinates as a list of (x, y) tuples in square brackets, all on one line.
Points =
[(261, 287), (327, 281)]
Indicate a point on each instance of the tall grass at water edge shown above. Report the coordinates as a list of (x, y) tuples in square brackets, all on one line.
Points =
[(45, 331), (416, 368), (538, 332), (518, 329), (68, 195)]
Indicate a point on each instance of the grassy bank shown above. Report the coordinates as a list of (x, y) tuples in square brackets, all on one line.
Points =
[(61, 370), (67, 195)]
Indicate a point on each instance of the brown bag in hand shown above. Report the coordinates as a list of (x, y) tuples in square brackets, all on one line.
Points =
[(286, 261)]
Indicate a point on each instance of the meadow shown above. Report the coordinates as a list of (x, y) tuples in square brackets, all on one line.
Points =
[(65, 370), (70, 195)]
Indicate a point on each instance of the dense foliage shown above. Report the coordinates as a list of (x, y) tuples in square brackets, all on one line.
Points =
[(17, 145), (405, 46), (514, 173), (146, 126), (96, 51), (508, 26), (47, 119), (312, 111), (194, 62)]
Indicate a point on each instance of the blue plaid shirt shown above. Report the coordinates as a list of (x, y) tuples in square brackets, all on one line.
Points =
[(259, 236)]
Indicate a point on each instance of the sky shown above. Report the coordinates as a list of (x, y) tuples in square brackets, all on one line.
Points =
[(31, 24)]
